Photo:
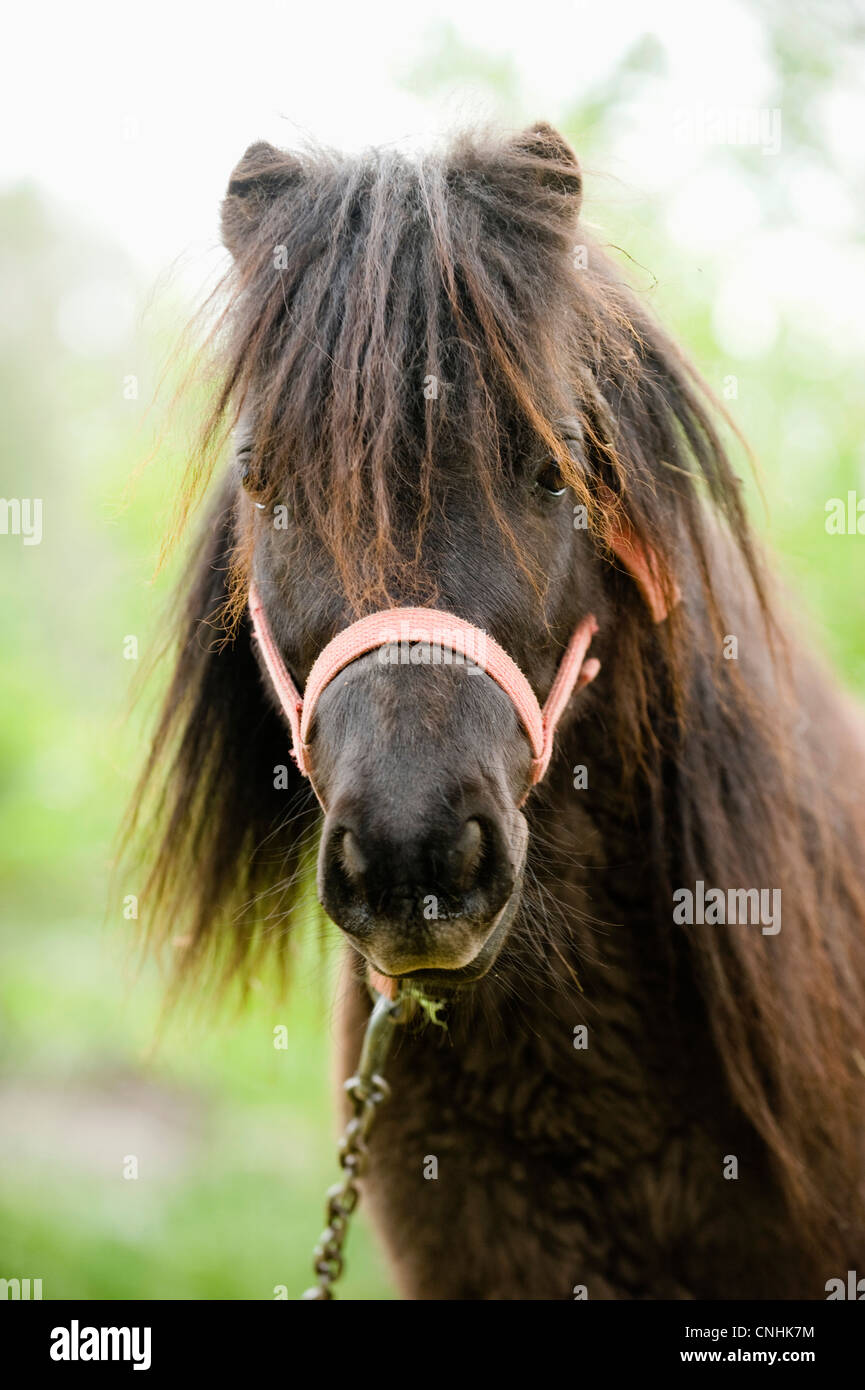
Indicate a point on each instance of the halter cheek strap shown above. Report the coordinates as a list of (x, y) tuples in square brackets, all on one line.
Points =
[(449, 634)]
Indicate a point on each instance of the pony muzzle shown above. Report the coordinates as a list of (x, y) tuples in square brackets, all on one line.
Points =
[(431, 902), (421, 764)]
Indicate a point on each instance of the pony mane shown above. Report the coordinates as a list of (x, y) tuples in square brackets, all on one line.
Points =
[(358, 282), (383, 313)]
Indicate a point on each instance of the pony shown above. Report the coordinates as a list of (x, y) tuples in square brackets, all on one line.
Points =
[(443, 393)]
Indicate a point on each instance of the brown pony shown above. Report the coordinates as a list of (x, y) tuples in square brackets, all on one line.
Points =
[(651, 1083)]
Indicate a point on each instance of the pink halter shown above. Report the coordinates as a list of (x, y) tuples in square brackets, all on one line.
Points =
[(450, 634)]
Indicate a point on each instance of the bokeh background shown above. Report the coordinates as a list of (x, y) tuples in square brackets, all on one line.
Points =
[(723, 155)]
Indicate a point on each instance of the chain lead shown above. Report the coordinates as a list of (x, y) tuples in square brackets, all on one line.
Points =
[(367, 1090)]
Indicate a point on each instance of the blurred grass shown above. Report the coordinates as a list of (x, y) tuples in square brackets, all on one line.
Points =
[(235, 1140)]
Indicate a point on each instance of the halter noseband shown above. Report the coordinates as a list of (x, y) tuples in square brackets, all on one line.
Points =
[(440, 630)]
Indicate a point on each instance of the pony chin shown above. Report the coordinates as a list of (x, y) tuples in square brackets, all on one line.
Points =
[(449, 972)]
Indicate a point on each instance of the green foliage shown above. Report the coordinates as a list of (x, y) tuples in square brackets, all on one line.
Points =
[(235, 1138)]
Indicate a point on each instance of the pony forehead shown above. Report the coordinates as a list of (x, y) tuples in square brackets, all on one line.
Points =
[(396, 325)]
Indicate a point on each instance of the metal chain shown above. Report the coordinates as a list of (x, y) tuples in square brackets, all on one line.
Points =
[(367, 1089)]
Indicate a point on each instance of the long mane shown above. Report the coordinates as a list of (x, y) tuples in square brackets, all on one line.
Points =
[(355, 283)]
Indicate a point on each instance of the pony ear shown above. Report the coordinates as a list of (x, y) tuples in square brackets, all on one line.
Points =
[(223, 812), (660, 592), (551, 162), (262, 175)]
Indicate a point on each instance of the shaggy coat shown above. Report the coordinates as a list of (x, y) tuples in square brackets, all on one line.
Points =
[(407, 349)]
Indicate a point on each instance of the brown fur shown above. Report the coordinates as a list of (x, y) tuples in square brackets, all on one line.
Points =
[(556, 1167)]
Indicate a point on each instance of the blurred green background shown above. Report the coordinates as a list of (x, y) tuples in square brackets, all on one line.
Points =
[(755, 260)]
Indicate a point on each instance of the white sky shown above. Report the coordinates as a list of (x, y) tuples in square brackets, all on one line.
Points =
[(133, 115)]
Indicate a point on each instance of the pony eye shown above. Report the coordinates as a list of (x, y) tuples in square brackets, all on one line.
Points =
[(248, 479), (244, 448), (243, 459), (551, 480)]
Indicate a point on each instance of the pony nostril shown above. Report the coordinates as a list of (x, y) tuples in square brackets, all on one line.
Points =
[(369, 874), (353, 859), (466, 854)]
